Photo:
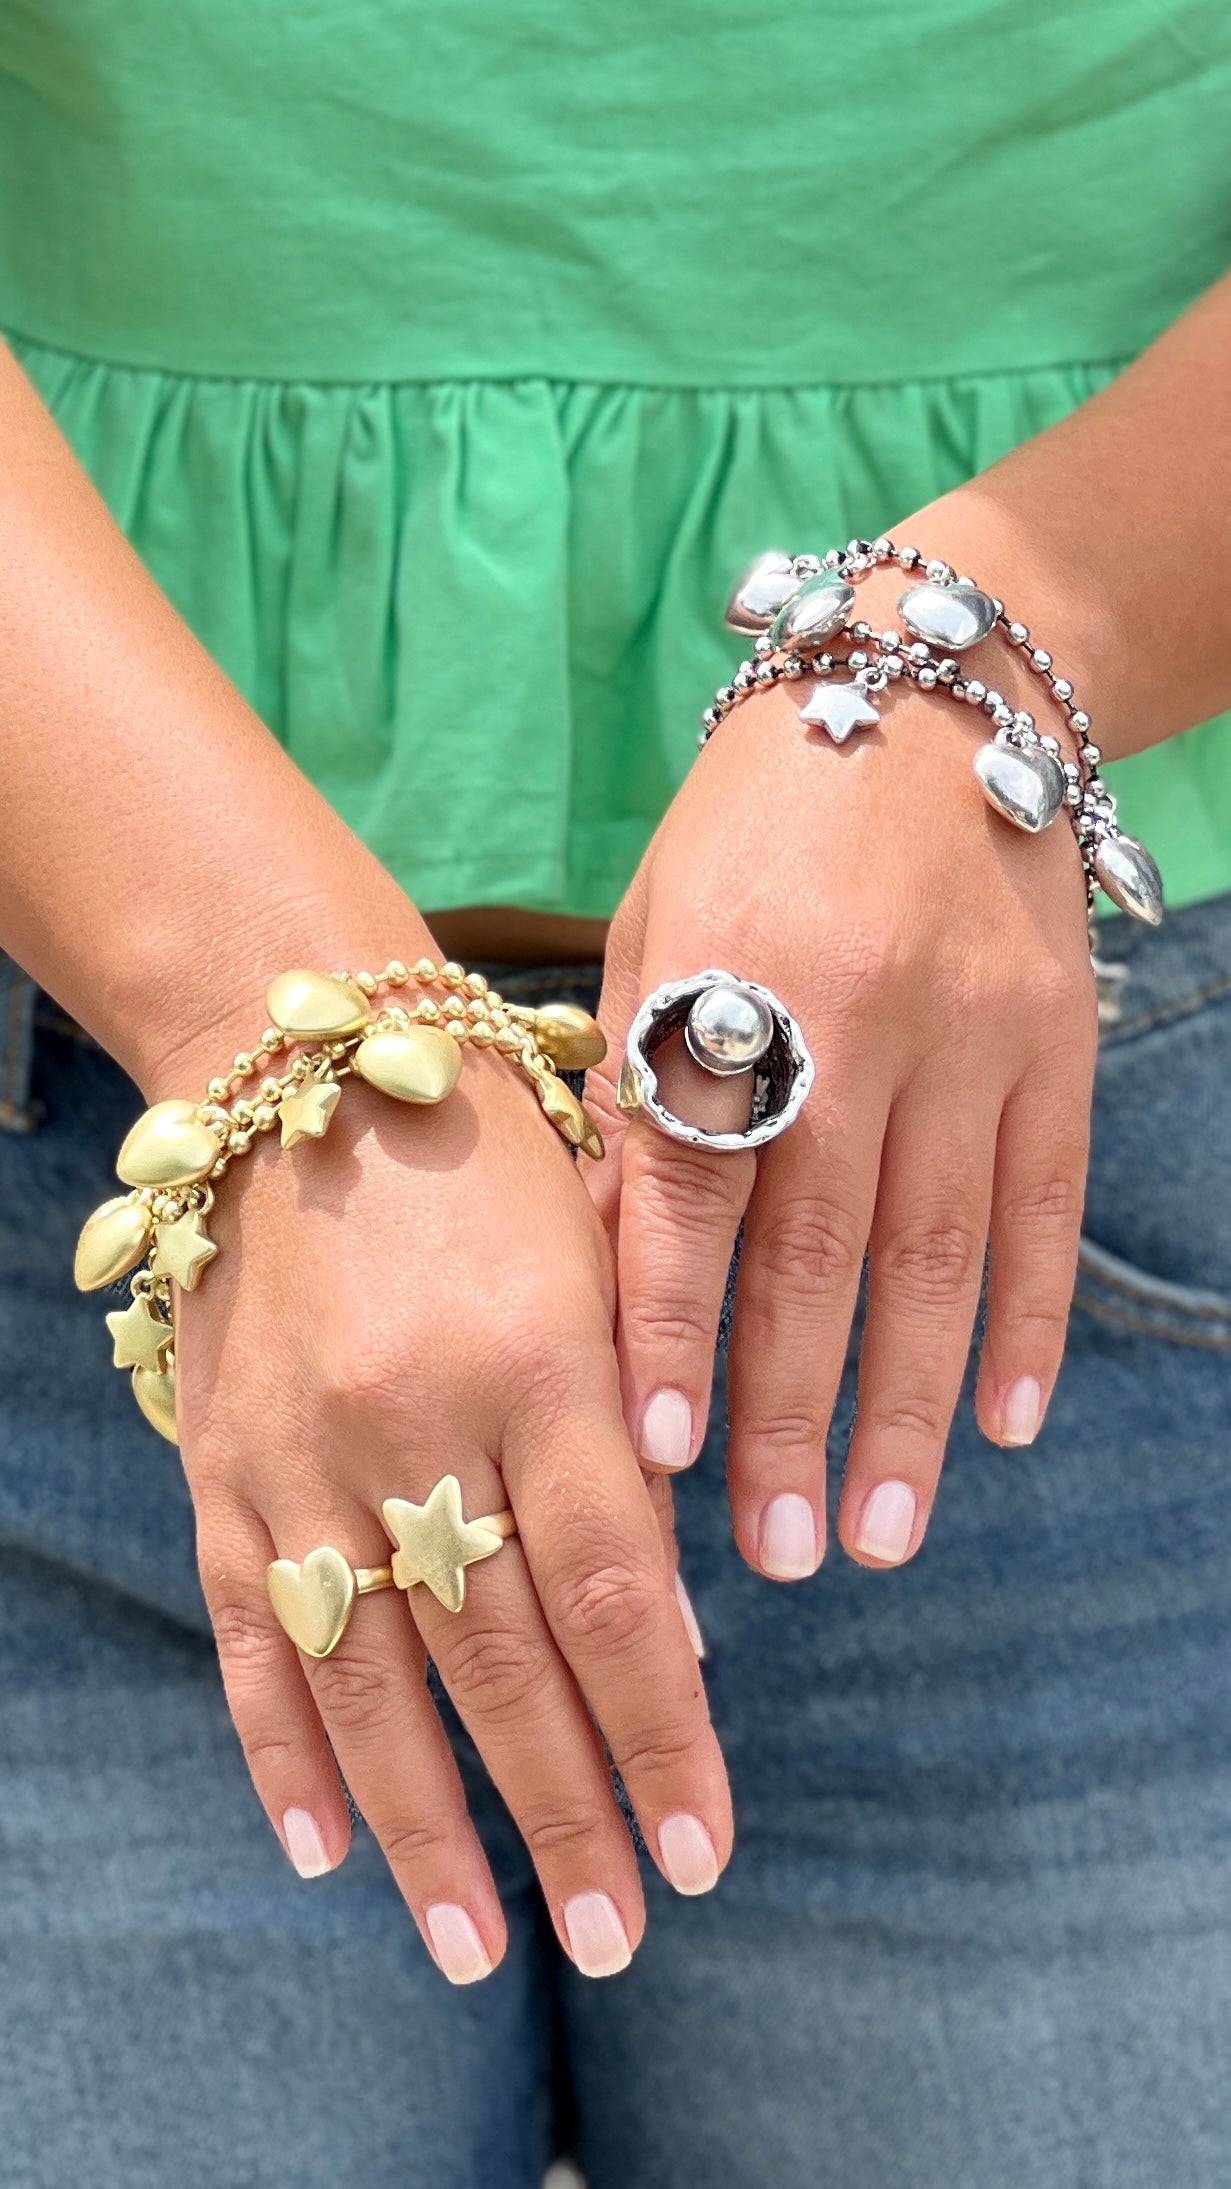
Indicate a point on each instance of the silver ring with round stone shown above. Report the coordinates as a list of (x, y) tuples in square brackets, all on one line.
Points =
[(729, 1026)]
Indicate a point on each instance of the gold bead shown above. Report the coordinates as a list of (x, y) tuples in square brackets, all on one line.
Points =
[(270, 1090), (494, 1002), (416, 1066), (570, 1036), (218, 1090), (476, 1008), (426, 969), (242, 1064), (452, 974), (168, 1146), (477, 983), (397, 1017), (239, 1142), (272, 1040), (367, 982), (315, 1006), (459, 1029), (264, 1116), (396, 974), (483, 1035), (301, 1069), (428, 1011), (453, 1008), (113, 1241), (241, 1113), (507, 1040)]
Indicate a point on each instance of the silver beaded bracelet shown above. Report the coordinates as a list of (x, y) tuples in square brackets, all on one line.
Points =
[(796, 604)]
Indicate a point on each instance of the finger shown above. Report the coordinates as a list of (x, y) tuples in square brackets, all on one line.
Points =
[(608, 1594), (372, 1699), (680, 1211), (522, 1708), (279, 1727), (617, 1006), (804, 1239), (1037, 1200), (929, 1234)]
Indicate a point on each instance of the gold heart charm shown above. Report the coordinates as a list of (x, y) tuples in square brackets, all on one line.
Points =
[(313, 1602)]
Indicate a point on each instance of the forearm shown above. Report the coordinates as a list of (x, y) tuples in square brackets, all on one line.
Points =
[(1110, 536), (160, 854)]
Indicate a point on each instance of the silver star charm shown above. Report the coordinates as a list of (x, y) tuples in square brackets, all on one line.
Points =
[(839, 708)]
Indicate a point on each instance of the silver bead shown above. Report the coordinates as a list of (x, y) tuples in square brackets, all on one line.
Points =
[(956, 616), (940, 573), (1051, 745), (892, 665), (761, 592), (1131, 879), (976, 692), (1092, 753), (909, 558), (926, 680), (1019, 634), (1040, 659), (1026, 787), (1022, 720), (1062, 688), (729, 1029), (1080, 720), (993, 700), (820, 608), (806, 566), (890, 642)]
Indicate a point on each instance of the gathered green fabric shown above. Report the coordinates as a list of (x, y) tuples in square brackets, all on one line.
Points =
[(445, 366)]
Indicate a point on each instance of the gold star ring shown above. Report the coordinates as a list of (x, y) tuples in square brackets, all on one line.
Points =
[(435, 1544)]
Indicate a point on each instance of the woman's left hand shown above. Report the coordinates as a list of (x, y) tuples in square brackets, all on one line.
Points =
[(937, 960)]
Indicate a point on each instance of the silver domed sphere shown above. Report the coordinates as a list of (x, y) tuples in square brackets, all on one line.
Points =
[(729, 1028)]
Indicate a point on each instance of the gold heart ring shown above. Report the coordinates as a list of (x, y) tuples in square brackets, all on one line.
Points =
[(313, 1601)]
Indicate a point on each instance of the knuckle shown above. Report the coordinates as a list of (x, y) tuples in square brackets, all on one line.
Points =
[(661, 1325), (560, 1829), (411, 1842), (493, 1671), (268, 1752), (659, 1752), (1039, 1325), (1054, 1203), (814, 1245), (351, 1689), (788, 1432), (683, 1189), (610, 1606), (915, 1416), (937, 1260), (243, 1629)]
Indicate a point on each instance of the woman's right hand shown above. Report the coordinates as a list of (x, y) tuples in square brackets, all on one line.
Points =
[(421, 1293)]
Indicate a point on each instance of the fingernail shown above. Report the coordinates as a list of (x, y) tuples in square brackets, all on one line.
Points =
[(687, 1853), (304, 1844), (1021, 1411), (666, 1430), (597, 1939), (887, 1522), (788, 1538), (693, 1631), (456, 1943)]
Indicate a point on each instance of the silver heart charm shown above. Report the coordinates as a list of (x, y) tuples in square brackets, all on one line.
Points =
[(1026, 786), (820, 607), (952, 616), (1131, 879), (761, 592)]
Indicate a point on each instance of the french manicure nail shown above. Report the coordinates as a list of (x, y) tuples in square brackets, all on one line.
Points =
[(691, 1627), (788, 1538), (597, 1938), (1021, 1411), (687, 1853), (456, 1943), (887, 1522), (304, 1843), (666, 1430)]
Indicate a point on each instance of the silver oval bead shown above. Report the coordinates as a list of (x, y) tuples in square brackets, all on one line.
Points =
[(820, 608), (1132, 881), (953, 616), (728, 1029), (762, 591), (1026, 787)]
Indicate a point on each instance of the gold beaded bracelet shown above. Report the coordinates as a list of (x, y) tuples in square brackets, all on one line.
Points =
[(176, 1151)]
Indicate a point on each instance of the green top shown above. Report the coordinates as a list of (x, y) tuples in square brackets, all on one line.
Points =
[(445, 361)]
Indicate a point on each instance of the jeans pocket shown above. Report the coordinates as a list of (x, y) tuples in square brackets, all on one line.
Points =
[(1128, 1299)]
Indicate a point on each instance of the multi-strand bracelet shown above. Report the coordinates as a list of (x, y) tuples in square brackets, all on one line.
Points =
[(337, 1026), (799, 604)]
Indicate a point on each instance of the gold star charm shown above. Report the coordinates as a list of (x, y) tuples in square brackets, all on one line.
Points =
[(183, 1249), (141, 1337), (435, 1544), (306, 1115)]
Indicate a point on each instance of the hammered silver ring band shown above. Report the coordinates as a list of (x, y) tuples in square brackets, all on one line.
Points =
[(729, 1026)]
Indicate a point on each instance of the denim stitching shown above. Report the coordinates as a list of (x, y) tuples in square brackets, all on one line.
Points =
[(1175, 1007), (1141, 1326)]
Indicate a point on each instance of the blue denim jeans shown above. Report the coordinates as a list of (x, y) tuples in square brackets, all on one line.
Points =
[(977, 1931)]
